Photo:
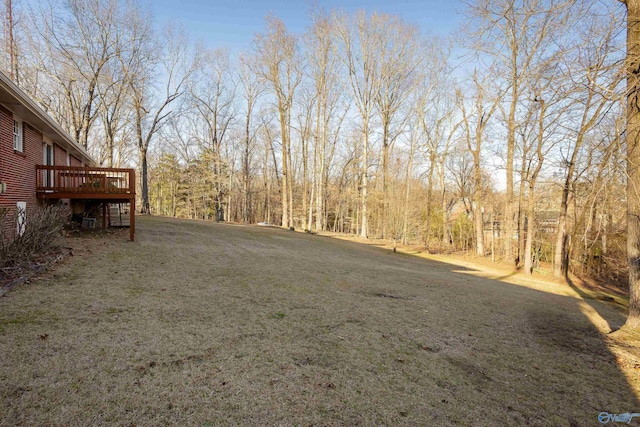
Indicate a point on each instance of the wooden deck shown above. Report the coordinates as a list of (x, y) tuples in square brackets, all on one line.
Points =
[(108, 185)]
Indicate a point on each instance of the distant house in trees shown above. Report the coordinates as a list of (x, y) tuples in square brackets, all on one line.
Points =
[(41, 164), (547, 222)]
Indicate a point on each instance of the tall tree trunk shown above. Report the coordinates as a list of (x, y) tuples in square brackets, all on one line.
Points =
[(633, 161), (531, 205), (246, 175), (364, 231), (521, 209), (405, 216), (144, 206), (320, 193), (174, 206), (432, 165), (560, 268), (511, 142), (290, 182), (305, 185), (319, 179), (561, 256), (266, 187), (286, 220), (385, 178), (110, 145), (310, 217), (445, 214), (530, 230), (477, 212), (13, 58)]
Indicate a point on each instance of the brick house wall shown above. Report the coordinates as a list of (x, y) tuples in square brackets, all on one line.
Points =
[(75, 161), (59, 155), (17, 169)]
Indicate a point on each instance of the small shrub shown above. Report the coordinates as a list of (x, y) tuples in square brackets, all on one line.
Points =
[(42, 227)]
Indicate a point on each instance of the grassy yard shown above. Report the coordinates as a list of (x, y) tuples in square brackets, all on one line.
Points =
[(202, 324)]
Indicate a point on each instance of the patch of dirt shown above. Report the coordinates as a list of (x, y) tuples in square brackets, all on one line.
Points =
[(387, 295), (77, 241), (22, 273)]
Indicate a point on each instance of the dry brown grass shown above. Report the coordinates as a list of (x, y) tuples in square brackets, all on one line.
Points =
[(208, 324)]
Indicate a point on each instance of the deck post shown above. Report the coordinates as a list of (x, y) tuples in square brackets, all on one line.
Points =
[(104, 216), (132, 205), (132, 219)]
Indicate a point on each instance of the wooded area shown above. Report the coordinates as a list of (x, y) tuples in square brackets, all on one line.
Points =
[(507, 141)]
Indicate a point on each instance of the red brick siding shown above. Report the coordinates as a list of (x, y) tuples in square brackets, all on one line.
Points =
[(59, 155), (18, 170), (75, 161)]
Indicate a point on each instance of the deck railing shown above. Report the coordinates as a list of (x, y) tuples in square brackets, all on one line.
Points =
[(84, 180)]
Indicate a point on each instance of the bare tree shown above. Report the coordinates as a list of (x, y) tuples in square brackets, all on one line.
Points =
[(212, 92), (280, 65), (266, 133), (177, 63), (304, 119), (361, 37), (74, 48), (324, 71), (400, 58), (415, 132), (435, 108), (252, 89), (113, 109), (594, 77), (113, 115), (474, 136), (516, 35), (11, 40)]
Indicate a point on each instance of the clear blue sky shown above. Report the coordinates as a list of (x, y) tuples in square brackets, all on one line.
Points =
[(233, 23)]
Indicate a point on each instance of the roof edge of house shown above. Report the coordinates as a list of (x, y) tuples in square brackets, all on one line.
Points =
[(14, 91)]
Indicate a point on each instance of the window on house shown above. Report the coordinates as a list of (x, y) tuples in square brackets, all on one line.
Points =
[(17, 135)]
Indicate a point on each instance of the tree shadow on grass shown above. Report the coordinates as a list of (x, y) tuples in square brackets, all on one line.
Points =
[(539, 358), (556, 363), (608, 309)]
